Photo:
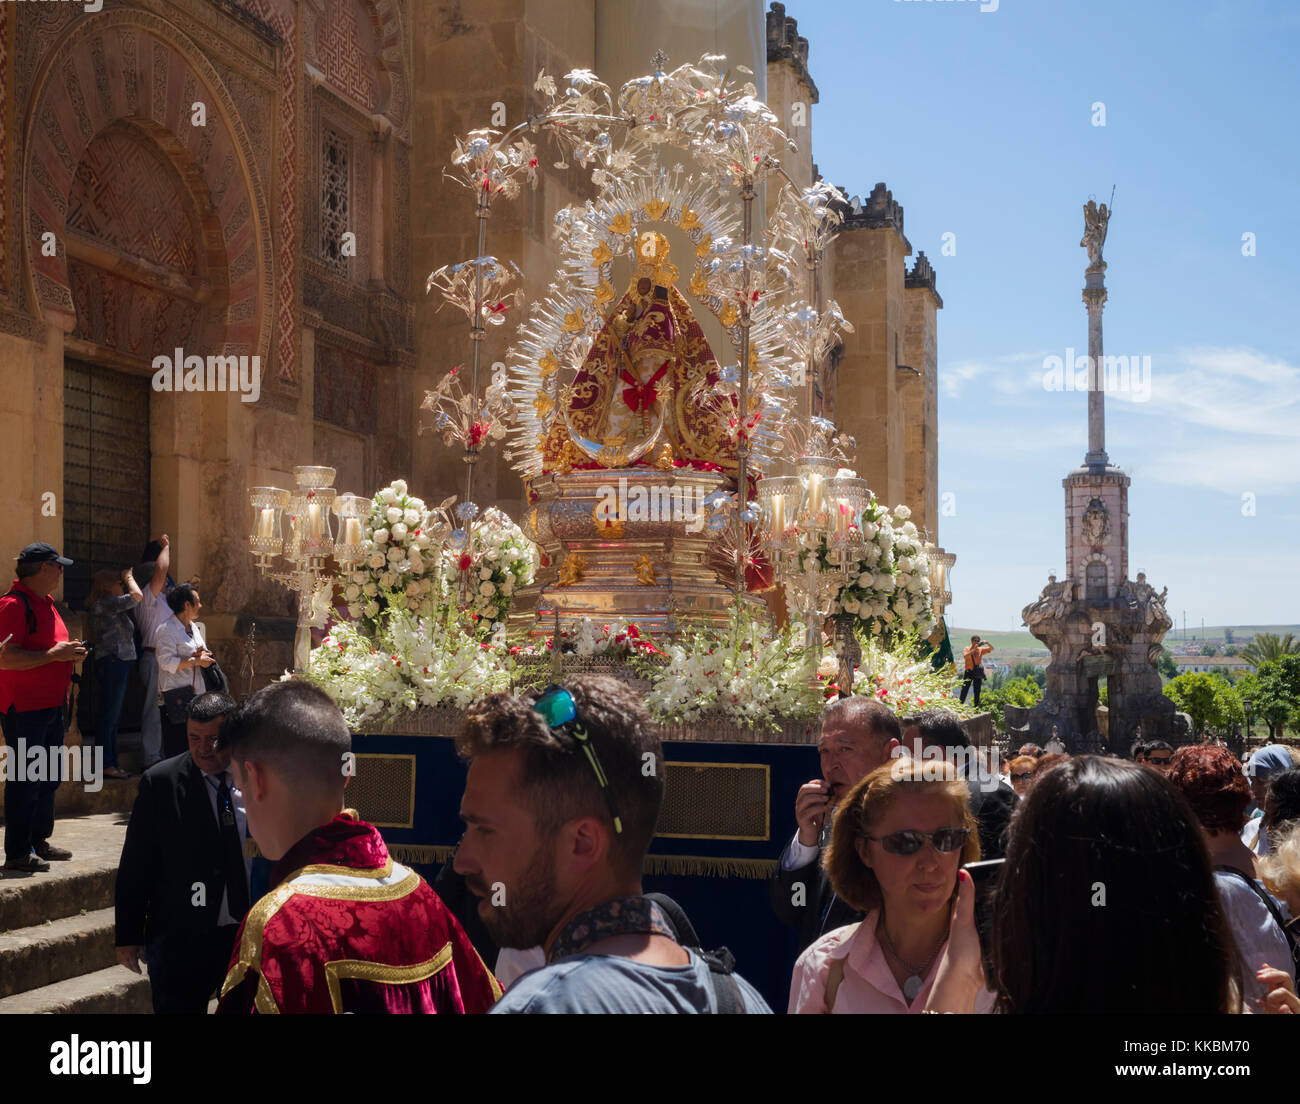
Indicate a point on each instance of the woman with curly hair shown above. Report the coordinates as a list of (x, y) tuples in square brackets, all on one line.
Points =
[(897, 845)]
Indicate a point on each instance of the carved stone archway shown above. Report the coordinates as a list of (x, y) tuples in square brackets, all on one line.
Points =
[(135, 66)]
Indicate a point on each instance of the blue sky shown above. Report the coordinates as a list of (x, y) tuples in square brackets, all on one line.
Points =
[(981, 125)]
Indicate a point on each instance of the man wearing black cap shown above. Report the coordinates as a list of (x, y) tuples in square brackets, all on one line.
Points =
[(35, 674)]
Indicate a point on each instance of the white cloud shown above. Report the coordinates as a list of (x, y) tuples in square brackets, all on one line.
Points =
[(1235, 390), (1009, 374)]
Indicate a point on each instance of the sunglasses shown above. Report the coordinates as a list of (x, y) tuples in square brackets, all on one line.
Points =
[(1022, 777), (1163, 761), (557, 708), (909, 841)]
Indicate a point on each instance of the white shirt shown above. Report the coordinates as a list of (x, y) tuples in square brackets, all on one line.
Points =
[(174, 645), (212, 783), (797, 854), (151, 612), (1254, 837), (1258, 936)]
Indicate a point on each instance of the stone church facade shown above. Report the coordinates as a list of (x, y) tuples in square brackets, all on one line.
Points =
[(264, 178)]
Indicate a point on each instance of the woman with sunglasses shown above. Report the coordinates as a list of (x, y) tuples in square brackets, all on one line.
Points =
[(898, 841)]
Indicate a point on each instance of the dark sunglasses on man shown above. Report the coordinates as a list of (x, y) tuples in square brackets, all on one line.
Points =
[(558, 709)]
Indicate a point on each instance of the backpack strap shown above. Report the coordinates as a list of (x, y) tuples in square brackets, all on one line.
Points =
[(14, 592), (1271, 905), (836, 975), (721, 963)]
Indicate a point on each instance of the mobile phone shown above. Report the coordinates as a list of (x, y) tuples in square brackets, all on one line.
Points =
[(986, 875)]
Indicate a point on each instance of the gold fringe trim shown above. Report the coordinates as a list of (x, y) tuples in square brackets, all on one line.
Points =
[(704, 866), (420, 853)]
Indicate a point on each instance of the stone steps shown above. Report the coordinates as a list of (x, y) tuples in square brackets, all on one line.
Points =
[(113, 991), (56, 928), (43, 954)]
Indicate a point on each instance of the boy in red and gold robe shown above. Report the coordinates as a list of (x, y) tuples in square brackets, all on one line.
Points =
[(343, 928)]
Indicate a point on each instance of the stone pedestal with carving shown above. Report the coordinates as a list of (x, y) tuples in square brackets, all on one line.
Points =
[(1118, 638)]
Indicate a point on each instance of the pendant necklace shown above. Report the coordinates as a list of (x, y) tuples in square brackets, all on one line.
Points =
[(913, 984)]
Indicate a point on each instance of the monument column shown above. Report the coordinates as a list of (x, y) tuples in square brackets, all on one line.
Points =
[(1094, 297)]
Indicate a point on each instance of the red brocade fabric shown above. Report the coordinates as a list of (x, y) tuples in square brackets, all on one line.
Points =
[(345, 929)]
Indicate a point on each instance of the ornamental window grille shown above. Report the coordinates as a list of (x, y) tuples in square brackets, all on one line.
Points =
[(334, 198), (1095, 580)]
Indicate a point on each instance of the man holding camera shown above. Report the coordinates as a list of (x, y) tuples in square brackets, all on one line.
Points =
[(35, 675)]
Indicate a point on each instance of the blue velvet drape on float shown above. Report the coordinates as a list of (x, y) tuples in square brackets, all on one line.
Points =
[(728, 813)]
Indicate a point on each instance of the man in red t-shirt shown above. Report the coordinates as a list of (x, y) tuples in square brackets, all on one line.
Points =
[(36, 664)]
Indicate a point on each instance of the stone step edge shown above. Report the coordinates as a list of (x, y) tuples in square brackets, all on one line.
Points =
[(48, 952), (53, 895), (113, 991)]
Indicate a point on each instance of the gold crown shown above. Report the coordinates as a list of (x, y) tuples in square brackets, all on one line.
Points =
[(652, 259)]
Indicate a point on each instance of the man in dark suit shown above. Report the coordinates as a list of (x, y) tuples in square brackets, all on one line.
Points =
[(183, 881), (858, 734), (992, 800)]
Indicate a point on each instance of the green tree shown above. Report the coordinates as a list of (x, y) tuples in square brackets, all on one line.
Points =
[(1025, 669), (1274, 690), (1023, 692), (1210, 702), (1268, 646), (1230, 650), (1166, 666), (1209, 650)]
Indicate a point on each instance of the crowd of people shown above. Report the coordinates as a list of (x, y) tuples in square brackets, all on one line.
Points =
[(921, 877)]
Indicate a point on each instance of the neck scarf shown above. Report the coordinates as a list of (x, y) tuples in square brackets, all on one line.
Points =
[(621, 916)]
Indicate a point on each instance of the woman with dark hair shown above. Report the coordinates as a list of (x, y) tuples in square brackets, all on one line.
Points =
[(1107, 904), (896, 847), (113, 633), (181, 653), (1215, 786)]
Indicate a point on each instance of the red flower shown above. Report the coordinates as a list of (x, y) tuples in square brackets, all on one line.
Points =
[(533, 163), (465, 562), (426, 670), (477, 432)]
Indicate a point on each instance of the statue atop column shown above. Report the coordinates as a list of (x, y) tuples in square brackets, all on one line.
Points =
[(1095, 220)]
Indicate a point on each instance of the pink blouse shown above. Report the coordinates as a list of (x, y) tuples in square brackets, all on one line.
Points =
[(868, 986)]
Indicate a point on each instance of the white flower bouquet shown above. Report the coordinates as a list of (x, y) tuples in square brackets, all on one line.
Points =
[(398, 565), (498, 561), (409, 662), (889, 592), (739, 673)]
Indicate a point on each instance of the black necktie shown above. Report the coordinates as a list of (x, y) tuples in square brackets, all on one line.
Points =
[(232, 853)]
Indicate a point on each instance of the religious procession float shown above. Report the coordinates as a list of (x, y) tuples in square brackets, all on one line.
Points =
[(691, 525)]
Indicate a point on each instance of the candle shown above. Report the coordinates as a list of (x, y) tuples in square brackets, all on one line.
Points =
[(842, 516), (814, 495), (266, 523), (313, 521), (352, 530), (778, 514)]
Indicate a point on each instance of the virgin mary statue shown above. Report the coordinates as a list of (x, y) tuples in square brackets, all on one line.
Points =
[(645, 392)]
